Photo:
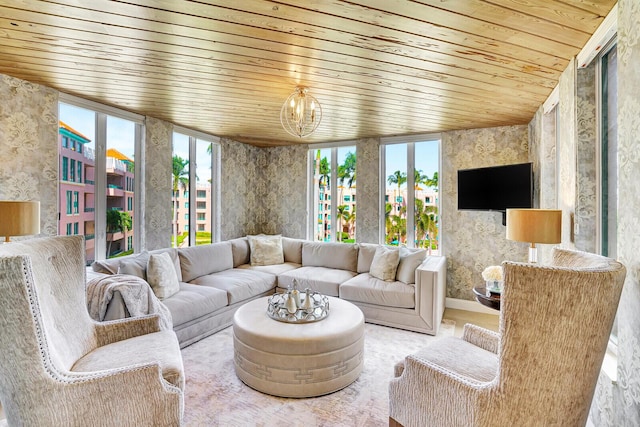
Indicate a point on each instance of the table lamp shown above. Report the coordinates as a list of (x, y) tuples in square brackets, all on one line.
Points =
[(534, 226), (19, 218)]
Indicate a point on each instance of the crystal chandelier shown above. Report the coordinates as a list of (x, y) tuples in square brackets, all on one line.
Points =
[(301, 113)]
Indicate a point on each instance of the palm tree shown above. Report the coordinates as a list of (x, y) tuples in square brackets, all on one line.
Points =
[(398, 178), (180, 181), (432, 182), (426, 223), (347, 170), (117, 221), (343, 214), (325, 172), (418, 178)]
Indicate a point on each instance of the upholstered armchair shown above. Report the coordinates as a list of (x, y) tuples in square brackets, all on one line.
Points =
[(542, 367), (60, 368)]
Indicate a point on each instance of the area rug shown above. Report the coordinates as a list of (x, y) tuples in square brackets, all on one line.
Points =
[(214, 396)]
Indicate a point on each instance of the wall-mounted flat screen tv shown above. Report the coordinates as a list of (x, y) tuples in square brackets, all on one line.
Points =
[(496, 188)]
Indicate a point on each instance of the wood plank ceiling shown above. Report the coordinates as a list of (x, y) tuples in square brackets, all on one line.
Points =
[(378, 67)]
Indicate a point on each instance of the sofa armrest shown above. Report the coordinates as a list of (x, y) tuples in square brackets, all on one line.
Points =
[(431, 280), (119, 330), (481, 337)]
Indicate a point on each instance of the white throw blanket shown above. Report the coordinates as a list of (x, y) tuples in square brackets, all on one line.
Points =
[(136, 293)]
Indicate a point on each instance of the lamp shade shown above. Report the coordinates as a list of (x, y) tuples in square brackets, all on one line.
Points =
[(534, 225), (19, 218)]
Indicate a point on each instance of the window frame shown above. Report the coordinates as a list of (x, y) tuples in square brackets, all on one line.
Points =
[(311, 199), (194, 136), (410, 140), (101, 112)]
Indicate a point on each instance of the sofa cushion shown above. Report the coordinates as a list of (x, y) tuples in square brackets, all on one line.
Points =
[(157, 347), (200, 260), (385, 263), (266, 250), (366, 252), (410, 259), (161, 275), (275, 269), (368, 289), (240, 284), (136, 264), (111, 265), (343, 256), (320, 279), (292, 249), (240, 251), (194, 301)]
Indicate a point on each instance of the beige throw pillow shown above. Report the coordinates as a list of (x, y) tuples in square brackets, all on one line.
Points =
[(266, 250), (385, 263), (162, 276), (410, 259)]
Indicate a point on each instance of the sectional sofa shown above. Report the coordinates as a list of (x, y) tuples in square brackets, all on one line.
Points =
[(218, 278)]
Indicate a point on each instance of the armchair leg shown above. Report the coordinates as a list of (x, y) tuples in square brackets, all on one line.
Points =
[(394, 423)]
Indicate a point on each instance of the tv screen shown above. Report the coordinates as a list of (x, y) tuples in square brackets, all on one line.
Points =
[(496, 188)]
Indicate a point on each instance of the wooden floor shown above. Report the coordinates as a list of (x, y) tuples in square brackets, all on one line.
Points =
[(461, 317)]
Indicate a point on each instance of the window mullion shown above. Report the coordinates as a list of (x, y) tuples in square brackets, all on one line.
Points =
[(192, 190), (411, 193), (334, 192), (101, 187)]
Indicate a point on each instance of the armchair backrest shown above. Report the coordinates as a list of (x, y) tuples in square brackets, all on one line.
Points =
[(43, 312), (555, 324)]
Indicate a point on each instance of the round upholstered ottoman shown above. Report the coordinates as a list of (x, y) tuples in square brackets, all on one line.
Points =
[(298, 360)]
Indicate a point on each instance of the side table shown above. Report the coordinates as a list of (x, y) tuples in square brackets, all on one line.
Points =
[(486, 298)]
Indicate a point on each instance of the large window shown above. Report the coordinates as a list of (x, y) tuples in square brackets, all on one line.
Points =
[(608, 165), (608, 151), (98, 145), (334, 179), (194, 172), (409, 192)]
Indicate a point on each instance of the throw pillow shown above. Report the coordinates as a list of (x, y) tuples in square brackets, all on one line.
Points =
[(410, 259), (135, 266), (266, 250), (162, 276), (385, 263)]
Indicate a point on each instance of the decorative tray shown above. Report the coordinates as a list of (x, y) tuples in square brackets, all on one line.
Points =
[(298, 307)]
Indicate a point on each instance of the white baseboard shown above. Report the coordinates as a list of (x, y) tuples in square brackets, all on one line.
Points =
[(463, 304)]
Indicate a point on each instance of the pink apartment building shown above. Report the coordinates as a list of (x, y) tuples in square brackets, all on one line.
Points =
[(203, 209), (77, 190)]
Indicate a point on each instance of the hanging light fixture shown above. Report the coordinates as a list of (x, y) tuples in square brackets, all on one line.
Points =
[(301, 113)]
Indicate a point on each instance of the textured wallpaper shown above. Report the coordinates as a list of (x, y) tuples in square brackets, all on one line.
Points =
[(242, 189), (567, 152), (29, 147), (475, 240), (619, 404), (368, 184), (586, 147), (158, 169), (286, 181)]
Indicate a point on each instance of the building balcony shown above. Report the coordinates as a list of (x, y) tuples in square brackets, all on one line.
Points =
[(115, 236), (115, 192)]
